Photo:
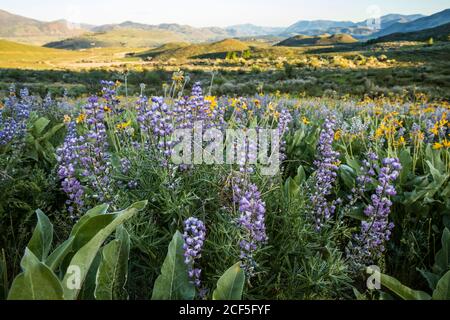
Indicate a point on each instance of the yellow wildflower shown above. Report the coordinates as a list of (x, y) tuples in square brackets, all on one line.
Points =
[(305, 120), (81, 118), (124, 125), (446, 143), (435, 129), (67, 119), (107, 109), (337, 135), (438, 146), (1, 106)]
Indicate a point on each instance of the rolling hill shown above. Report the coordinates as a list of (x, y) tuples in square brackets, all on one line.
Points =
[(133, 38), (441, 33), (432, 21), (18, 28), (206, 50), (326, 39), (17, 55)]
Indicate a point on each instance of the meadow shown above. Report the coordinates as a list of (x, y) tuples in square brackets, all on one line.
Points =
[(363, 188), (95, 203)]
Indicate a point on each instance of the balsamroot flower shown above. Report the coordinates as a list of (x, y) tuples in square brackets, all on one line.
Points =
[(194, 237), (327, 164), (376, 230)]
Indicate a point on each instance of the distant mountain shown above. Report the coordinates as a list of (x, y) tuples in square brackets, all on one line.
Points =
[(432, 21), (251, 30), (359, 29), (304, 27), (441, 33), (18, 28), (390, 19), (326, 39)]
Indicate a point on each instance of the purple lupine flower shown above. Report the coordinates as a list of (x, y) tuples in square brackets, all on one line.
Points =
[(326, 174), (284, 120), (68, 159), (14, 116), (194, 237), (252, 223), (376, 230)]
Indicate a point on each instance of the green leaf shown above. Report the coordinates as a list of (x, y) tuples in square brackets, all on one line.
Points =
[(442, 291), (55, 259), (432, 278), (50, 133), (85, 256), (348, 175), (101, 209), (401, 290), (113, 270), (174, 283), (442, 258), (301, 176), (3, 276), (39, 126), (37, 282), (41, 241), (231, 284)]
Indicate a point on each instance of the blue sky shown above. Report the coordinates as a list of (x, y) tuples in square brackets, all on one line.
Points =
[(216, 13)]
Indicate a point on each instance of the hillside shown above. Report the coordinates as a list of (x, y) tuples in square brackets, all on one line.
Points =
[(206, 50), (303, 40), (134, 38), (16, 55), (441, 33), (18, 28), (429, 22)]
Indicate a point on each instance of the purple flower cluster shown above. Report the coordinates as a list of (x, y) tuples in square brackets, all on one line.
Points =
[(93, 151), (194, 237), (376, 230), (14, 115), (252, 223), (156, 124), (284, 120), (325, 175), (67, 157)]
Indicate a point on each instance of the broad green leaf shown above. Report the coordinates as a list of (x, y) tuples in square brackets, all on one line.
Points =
[(442, 291), (401, 290), (113, 270), (37, 282), (41, 241), (101, 209), (432, 278), (301, 176), (87, 291), (83, 259), (55, 259), (230, 284), (50, 133), (39, 126), (348, 175), (174, 283), (442, 259)]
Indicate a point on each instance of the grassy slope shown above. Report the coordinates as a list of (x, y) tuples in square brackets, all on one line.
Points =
[(205, 50), (302, 40), (130, 38), (441, 33), (22, 56)]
